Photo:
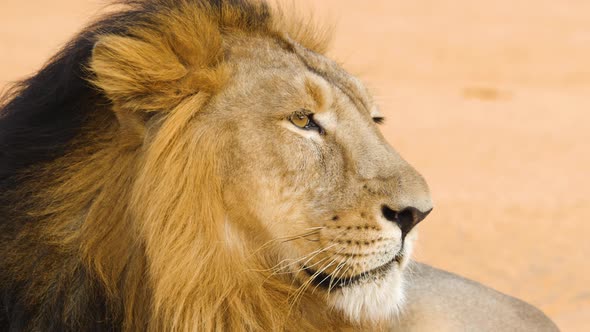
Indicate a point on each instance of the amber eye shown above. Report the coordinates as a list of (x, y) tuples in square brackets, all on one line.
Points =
[(303, 119), (300, 119)]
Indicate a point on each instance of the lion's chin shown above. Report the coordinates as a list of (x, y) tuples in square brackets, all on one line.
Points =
[(376, 300)]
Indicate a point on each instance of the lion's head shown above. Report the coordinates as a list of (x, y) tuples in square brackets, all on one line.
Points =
[(309, 174), (228, 175)]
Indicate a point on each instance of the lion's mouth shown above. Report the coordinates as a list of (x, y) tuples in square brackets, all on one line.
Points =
[(327, 281)]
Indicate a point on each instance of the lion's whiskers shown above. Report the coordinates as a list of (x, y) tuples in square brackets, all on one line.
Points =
[(309, 259), (295, 237), (311, 255), (308, 232), (296, 296), (324, 249), (283, 267), (301, 290), (342, 266), (328, 275), (348, 267)]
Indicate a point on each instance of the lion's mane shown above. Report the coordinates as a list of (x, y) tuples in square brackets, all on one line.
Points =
[(98, 229)]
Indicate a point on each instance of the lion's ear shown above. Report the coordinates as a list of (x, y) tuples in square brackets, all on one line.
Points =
[(136, 75), (153, 71)]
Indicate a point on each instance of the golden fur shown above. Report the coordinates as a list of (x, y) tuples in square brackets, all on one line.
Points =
[(177, 201)]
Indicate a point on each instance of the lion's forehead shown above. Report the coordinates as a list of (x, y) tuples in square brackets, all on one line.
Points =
[(294, 70)]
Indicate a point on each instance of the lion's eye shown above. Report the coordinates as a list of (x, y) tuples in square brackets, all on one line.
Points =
[(300, 120), (303, 119)]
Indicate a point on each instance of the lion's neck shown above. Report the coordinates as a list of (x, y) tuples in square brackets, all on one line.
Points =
[(229, 294)]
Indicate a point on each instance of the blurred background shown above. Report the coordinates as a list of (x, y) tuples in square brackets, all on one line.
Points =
[(489, 100)]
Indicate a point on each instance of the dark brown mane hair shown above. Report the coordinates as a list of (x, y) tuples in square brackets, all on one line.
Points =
[(69, 258)]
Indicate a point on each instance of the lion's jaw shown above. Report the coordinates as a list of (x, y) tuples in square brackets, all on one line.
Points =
[(377, 296)]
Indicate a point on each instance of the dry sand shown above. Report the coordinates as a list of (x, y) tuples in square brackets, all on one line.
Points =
[(490, 100)]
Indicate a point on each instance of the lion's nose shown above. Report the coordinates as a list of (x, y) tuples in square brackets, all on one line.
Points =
[(406, 219)]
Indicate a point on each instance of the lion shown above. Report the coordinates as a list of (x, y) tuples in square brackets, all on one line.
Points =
[(194, 165)]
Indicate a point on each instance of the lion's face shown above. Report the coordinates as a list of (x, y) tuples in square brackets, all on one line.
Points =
[(313, 179), (260, 154)]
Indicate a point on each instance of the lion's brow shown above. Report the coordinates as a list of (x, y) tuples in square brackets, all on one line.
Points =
[(333, 75), (346, 88)]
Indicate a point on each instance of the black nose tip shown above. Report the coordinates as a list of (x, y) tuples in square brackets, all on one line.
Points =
[(406, 219)]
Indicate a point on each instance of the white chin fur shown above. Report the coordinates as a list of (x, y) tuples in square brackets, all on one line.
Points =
[(378, 300), (373, 301)]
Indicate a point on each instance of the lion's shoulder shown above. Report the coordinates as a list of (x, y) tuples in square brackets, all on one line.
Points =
[(443, 301)]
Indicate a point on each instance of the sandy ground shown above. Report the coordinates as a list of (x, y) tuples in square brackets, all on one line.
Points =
[(488, 99)]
